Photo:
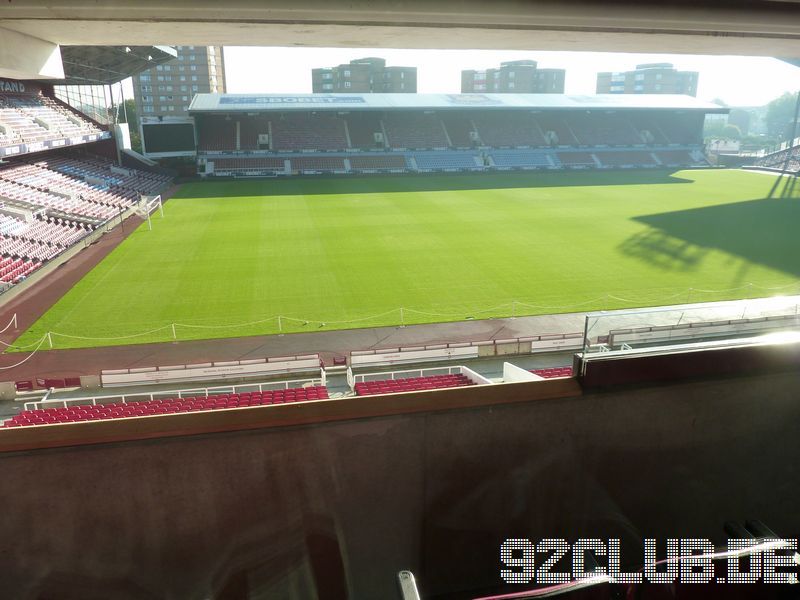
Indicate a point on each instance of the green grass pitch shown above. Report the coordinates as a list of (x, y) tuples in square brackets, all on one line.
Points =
[(231, 256)]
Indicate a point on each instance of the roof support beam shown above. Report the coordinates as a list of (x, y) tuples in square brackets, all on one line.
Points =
[(27, 57)]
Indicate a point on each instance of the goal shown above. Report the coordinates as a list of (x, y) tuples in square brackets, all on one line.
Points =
[(147, 205)]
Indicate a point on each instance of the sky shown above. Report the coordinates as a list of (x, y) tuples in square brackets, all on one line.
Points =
[(737, 80)]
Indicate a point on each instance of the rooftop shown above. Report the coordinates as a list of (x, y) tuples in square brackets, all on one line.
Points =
[(228, 103)]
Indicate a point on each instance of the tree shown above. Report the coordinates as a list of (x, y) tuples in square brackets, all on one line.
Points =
[(780, 113), (731, 132), (133, 123)]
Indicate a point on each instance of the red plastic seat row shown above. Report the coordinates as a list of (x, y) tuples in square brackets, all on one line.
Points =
[(116, 410), (410, 384), (553, 372)]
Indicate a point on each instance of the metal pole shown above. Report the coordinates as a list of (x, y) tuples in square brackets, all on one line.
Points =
[(280, 325), (174, 335), (402, 318)]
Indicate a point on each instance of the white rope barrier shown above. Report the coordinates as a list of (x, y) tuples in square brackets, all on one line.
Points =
[(27, 358), (402, 312)]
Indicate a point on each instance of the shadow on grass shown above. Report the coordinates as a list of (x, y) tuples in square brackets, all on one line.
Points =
[(372, 184), (761, 231)]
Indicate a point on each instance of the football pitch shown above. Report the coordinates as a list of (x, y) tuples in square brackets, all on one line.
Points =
[(267, 256)]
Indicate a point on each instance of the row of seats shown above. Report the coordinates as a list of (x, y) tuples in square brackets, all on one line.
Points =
[(27, 119), (68, 197), (412, 130), (410, 384), (444, 160), (13, 269), (119, 410), (553, 372)]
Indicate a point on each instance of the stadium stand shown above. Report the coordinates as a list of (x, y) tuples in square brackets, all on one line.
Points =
[(48, 205), (777, 160), (250, 129), (524, 159), (216, 134), (388, 162), (440, 161), (520, 135), (250, 163), (577, 159), (37, 118), (408, 130), (508, 130), (308, 131), (411, 384), (678, 158), (459, 129), (647, 128), (317, 163), (143, 408), (625, 158), (556, 130), (362, 129)]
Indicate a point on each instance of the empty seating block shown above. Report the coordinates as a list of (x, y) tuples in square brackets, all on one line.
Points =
[(258, 163), (445, 160), (308, 132), (511, 129), (118, 410), (625, 158), (414, 130), (521, 158), (553, 372), (36, 118), (389, 161), (583, 159), (411, 384), (318, 163)]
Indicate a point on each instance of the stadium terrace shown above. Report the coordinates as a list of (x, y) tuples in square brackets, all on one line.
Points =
[(261, 135)]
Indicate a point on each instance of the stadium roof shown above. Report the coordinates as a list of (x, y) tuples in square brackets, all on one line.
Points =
[(230, 103), (104, 65)]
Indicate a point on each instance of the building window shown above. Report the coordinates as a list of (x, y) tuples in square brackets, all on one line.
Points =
[(185, 98), (511, 85), (191, 57), (347, 84), (147, 88), (658, 87), (144, 77), (194, 77), (511, 74), (347, 73), (193, 68), (194, 88), (147, 108), (658, 75), (327, 86), (327, 75), (183, 88), (183, 77)]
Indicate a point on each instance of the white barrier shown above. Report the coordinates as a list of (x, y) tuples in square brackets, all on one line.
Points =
[(703, 330), (513, 373), (560, 342), (410, 355), (219, 371)]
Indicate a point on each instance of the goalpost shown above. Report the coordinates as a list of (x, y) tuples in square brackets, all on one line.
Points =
[(147, 205)]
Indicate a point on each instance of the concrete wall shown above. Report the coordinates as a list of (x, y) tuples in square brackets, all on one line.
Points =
[(335, 510)]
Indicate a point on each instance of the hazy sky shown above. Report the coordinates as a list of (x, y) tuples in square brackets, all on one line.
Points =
[(739, 81)]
